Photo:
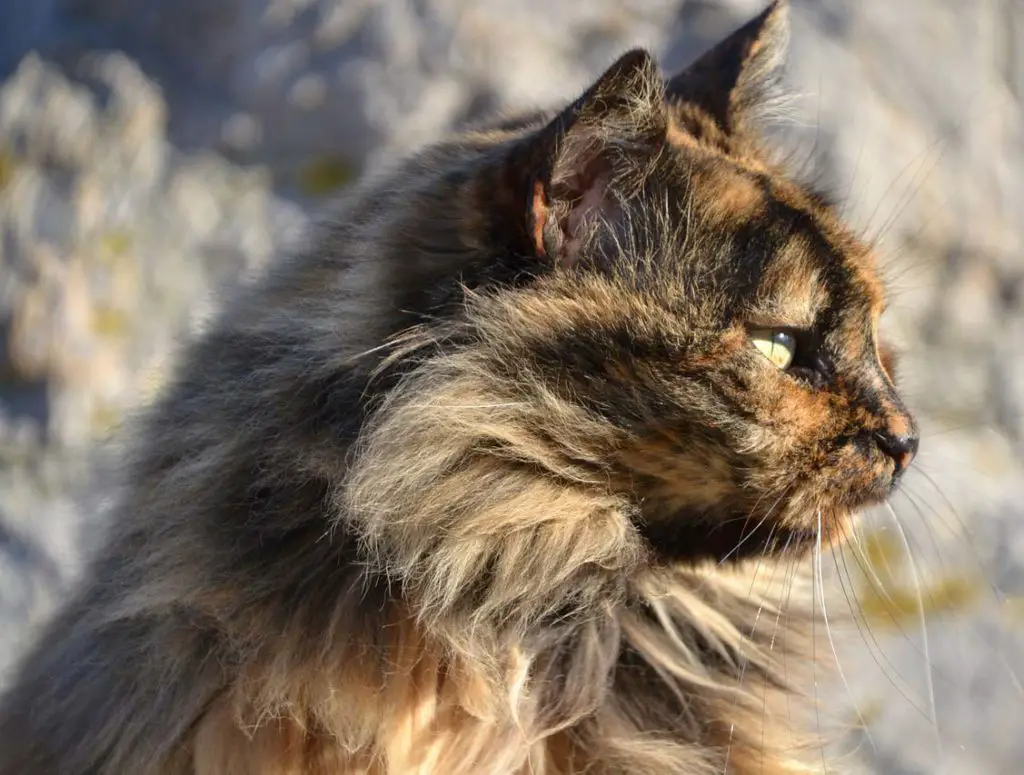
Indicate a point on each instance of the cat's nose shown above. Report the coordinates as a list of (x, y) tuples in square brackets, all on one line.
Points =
[(900, 447)]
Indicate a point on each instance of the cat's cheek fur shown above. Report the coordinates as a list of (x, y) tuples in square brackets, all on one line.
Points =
[(678, 476), (789, 448)]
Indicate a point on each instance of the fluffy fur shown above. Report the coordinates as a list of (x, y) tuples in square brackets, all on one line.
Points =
[(491, 479)]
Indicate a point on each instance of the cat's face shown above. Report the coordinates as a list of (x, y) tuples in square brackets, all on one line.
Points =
[(715, 314), (772, 418)]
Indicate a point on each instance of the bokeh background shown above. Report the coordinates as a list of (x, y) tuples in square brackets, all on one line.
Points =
[(153, 151)]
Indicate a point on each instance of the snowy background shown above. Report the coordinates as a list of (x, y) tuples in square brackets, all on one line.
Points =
[(153, 150)]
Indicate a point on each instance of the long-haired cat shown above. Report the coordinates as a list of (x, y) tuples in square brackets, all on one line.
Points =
[(497, 475)]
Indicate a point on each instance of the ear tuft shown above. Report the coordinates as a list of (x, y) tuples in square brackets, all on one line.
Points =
[(735, 80), (626, 91)]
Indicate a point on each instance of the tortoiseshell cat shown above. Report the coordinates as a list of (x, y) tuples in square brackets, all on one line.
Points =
[(481, 482)]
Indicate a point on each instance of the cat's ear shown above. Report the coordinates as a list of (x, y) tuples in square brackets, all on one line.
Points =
[(738, 78), (575, 170)]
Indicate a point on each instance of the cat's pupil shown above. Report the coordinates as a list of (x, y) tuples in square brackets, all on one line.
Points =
[(785, 340), (811, 362)]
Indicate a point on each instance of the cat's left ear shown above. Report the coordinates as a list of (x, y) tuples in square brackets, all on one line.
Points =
[(578, 168), (739, 77)]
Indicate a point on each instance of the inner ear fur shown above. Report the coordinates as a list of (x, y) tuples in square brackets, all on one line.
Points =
[(580, 164)]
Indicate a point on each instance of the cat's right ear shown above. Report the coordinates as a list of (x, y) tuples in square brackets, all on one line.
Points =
[(577, 168)]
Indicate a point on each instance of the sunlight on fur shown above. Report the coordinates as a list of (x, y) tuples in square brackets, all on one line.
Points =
[(492, 476)]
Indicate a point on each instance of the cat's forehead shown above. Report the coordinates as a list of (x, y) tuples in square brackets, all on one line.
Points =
[(801, 253)]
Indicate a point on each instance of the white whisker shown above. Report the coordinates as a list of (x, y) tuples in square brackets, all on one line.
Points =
[(874, 647), (828, 631), (929, 678), (757, 527), (753, 629)]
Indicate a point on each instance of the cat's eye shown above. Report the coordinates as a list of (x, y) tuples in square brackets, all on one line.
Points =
[(777, 346)]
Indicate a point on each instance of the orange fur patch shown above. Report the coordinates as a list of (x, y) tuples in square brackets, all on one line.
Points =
[(539, 209)]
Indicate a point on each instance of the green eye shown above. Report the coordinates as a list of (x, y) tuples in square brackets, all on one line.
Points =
[(777, 346)]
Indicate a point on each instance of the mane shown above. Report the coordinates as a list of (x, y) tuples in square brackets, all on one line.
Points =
[(512, 518)]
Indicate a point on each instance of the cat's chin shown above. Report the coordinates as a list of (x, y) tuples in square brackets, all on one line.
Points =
[(734, 538)]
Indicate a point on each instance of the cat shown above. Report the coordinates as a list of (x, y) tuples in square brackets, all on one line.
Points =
[(512, 470)]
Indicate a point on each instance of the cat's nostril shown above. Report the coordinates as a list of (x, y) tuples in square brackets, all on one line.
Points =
[(901, 449)]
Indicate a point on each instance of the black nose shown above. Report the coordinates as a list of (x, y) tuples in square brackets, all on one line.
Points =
[(901, 449)]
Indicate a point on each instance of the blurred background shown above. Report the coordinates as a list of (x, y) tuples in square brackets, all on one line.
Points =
[(152, 151)]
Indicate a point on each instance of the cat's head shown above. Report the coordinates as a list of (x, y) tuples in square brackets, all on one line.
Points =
[(713, 316)]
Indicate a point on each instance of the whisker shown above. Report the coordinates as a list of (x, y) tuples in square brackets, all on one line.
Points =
[(757, 527), (814, 663), (930, 680), (910, 194), (997, 595), (964, 531), (790, 576), (981, 576), (926, 524), (828, 631), (871, 575), (878, 587), (918, 158), (874, 647), (745, 659)]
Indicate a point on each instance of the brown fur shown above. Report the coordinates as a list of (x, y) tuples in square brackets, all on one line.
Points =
[(491, 479)]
